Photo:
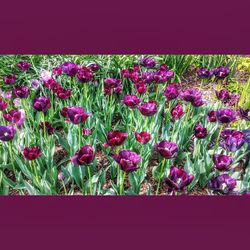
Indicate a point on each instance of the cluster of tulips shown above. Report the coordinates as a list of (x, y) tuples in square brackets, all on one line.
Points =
[(159, 116)]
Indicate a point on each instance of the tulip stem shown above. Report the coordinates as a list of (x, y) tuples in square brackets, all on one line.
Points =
[(122, 182), (64, 187), (79, 136), (218, 138), (161, 173), (35, 171), (90, 180)]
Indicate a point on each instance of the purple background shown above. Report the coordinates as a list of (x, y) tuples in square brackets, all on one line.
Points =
[(99, 26)]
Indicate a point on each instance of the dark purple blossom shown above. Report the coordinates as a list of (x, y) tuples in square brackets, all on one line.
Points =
[(84, 74), (232, 140), (221, 72), (178, 179), (177, 112), (7, 133), (171, 91), (41, 103), (148, 108), (222, 162), (115, 138), (204, 73), (69, 68), (211, 116), (22, 91), (77, 114), (142, 137), (23, 65), (223, 184), (167, 149), (32, 153), (226, 115), (128, 160), (3, 105), (9, 79), (84, 156), (131, 101), (15, 116), (199, 131), (148, 62)]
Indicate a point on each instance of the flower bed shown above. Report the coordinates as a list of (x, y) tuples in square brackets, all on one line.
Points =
[(123, 125)]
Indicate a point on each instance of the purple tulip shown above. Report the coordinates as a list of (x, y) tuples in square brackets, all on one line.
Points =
[(32, 153), (63, 93), (171, 91), (148, 108), (112, 85), (226, 115), (178, 179), (22, 91), (204, 73), (23, 65), (245, 114), (223, 95), (84, 156), (15, 116), (86, 132), (7, 133), (41, 103), (221, 72), (199, 131), (177, 112), (141, 87), (94, 66), (3, 105), (163, 76), (69, 68), (84, 74), (128, 160), (148, 62), (167, 149), (131, 101), (194, 96), (77, 114), (57, 71), (222, 183), (211, 116), (115, 138), (6, 94), (9, 79), (222, 162), (232, 140), (35, 83), (148, 77), (143, 137)]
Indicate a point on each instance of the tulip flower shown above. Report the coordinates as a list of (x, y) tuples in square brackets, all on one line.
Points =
[(171, 91), (226, 115), (41, 103), (6, 94), (211, 116), (15, 116), (45, 75), (131, 101), (161, 76), (51, 84), (141, 87), (7, 133), (63, 93), (115, 138), (177, 112), (61, 176), (111, 84), (84, 74), (84, 156), (3, 105), (128, 160), (32, 153), (57, 71), (69, 68), (178, 179), (194, 96), (21, 92), (9, 79), (167, 149), (232, 140), (221, 72), (204, 73), (223, 184), (35, 83), (199, 131), (77, 114), (222, 162), (143, 137), (148, 108), (223, 95), (148, 62), (148, 77), (64, 112), (23, 65), (86, 131), (47, 126), (94, 66), (245, 114)]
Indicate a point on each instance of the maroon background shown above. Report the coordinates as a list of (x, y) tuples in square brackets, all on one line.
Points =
[(98, 26)]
